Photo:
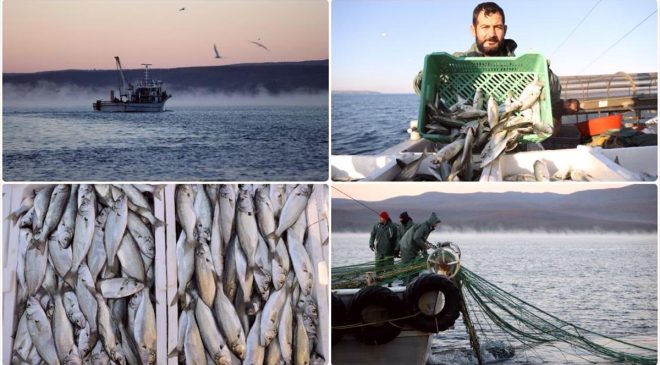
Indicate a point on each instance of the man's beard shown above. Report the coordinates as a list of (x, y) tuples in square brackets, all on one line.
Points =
[(492, 51)]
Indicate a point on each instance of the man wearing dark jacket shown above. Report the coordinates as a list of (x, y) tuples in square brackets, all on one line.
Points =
[(383, 240), (415, 239), (404, 226)]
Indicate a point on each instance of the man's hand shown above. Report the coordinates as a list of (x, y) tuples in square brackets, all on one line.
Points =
[(371, 247), (428, 244)]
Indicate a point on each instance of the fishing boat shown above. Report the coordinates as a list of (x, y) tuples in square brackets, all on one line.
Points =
[(630, 100), (145, 95)]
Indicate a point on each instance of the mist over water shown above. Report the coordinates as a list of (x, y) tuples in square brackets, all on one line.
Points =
[(276, 138), (602, 282)]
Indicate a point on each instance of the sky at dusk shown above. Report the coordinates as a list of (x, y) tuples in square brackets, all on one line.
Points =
[(376, 191), (57, 35), (380, 45)]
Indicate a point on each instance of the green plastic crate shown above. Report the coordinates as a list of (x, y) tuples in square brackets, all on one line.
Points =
[(494, 75)]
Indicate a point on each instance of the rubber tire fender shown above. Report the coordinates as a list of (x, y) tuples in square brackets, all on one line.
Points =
[(379, 297), (449, 313), (338, 318)]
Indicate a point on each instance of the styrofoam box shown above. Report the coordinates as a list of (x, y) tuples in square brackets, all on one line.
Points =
[(12, 196), (636, 159), (580, 158)]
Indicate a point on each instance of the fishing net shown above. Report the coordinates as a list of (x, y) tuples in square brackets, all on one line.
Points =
[(503, 322)]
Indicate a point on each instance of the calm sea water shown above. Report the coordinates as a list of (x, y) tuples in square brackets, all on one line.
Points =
[(604, 283), (227, 143), (370, 123)]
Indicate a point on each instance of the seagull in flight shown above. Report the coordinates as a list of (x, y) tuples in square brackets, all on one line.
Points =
[(215, 49), (260, 44), (182, 9)]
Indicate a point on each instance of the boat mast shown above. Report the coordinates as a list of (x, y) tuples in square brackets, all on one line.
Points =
[(146, 73), (122, 79)]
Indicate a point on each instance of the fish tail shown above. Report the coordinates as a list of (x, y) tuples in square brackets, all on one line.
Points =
[(157, 190), (13, 217), (272, 236), (173, 353), (174, 300)]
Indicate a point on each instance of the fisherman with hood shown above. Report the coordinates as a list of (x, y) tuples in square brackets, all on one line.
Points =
[(415, 239), (383, 240), (404, 226), (488, 29)]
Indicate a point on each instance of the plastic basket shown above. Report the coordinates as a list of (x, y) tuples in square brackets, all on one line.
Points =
[(496, 76)]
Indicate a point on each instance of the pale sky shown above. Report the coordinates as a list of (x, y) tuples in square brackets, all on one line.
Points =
[(56, 35), (380, 45), (376, 191)]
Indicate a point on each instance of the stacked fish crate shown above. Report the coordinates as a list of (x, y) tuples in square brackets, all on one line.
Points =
[(247, 274), (127, 299), (83, 274)]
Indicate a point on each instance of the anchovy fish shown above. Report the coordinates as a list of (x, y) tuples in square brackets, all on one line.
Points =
[(85, 223)]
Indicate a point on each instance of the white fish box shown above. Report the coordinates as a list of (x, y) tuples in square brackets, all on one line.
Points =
[(12, 196), (642, 160), (370, 168), (580, 158)]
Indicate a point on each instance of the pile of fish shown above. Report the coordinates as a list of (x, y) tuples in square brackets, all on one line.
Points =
[(251, 286), (85, 275), (472, 129)]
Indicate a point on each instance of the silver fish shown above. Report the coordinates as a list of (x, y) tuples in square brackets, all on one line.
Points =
[(85, 293), (41, 202), (24, 237), (277, 196), (212, 192), (193, 345), (36, 263), (72, 309), (203, 212), (119, 287), (265, 215), (130, 258), (531, 93), (185, 212), (185, 260), (246, 226), (280, 265), (145, 329), (99, 356), (84, 345), (66, 226), (255, 352), (115, 227), (110, 342), (229, 323), (211, 337), (273, 354), (96, 256), (41, 331), (58, 201), (229, 279), (285, 331), (541, 172), (22, 340), (154, 189), (301, 343), (85, 223), (302, 265), (294, 205), (449, 151), (27, 220), (141, 234), (27, 203), (244, 273), (478, 101), (217, 248), (204, 274), (270, 318), (64, 342), (227, 200), (104, 194)]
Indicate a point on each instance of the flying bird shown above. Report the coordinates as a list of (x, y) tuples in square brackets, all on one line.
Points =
[(182, 9), (217, 54), (260, 45)]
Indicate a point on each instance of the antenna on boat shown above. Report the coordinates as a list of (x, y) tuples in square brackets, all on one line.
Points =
[(146, 72)]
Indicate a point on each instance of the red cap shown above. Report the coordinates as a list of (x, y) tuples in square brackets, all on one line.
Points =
[(384, 215)]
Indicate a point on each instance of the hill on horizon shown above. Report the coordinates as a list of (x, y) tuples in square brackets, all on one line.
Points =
[(247, 78)]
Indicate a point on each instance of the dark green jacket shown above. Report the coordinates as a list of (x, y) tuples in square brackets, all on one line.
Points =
[(384, 237), (414, 240)]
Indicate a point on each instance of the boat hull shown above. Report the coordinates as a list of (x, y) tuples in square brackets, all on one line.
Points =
[(109, 106)]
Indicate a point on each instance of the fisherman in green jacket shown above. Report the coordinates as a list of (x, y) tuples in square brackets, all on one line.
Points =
[(383, 240), (415, 239), (404, 226)]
